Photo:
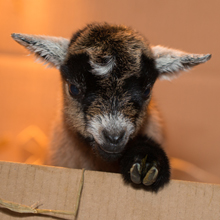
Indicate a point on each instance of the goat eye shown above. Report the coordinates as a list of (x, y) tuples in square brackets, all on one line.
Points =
[(73, 90), (147, 92)]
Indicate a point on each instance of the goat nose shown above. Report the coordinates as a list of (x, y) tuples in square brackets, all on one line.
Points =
[(113, 138)]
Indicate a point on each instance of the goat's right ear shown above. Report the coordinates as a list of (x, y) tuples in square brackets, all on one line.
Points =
[(51, 50)]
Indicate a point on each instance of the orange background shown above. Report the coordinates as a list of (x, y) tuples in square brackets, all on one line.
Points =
[(190, 104)]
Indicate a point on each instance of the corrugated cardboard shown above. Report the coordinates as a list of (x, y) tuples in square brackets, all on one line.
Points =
[(104, 195)]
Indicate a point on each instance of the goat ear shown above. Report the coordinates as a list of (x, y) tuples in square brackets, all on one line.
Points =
[(170, 62), (51, 50)]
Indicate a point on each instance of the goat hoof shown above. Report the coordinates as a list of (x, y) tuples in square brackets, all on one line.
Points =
[(144, 172), (135, 173), (151, 176)]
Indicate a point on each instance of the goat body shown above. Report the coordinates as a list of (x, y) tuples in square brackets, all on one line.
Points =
[(108, 119)]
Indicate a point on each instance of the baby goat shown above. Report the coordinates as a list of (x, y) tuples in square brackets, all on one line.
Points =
[(109, 121)]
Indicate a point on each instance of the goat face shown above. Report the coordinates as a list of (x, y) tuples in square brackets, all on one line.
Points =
[(108, 75)]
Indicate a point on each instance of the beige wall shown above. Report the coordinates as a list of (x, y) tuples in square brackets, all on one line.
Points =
[(190, 104)]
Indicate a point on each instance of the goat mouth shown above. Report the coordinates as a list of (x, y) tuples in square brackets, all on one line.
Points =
[(115, 149), (106, 154)]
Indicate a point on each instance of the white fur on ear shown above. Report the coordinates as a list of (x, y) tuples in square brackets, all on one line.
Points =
[(170, 62), (51, 50)]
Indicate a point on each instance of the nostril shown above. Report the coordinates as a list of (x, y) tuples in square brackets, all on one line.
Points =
[(113, 138), (120, 137)]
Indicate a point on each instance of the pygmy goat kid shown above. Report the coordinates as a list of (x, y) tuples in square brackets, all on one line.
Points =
[(109, 121)]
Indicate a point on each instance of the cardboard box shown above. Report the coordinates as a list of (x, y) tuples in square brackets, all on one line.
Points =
[(104, 195)]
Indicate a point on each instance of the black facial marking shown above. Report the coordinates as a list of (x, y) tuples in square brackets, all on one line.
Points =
[(148, 69), (77, 71), (76, 67), (133, 86), (139, 86)]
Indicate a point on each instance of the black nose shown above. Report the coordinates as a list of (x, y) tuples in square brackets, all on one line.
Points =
[(113, 138)]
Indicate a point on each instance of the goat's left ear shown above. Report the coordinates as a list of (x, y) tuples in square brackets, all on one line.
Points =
[(51, 50), (170, 62)]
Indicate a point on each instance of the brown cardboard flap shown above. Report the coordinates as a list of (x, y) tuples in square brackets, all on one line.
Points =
[(104, 195)]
